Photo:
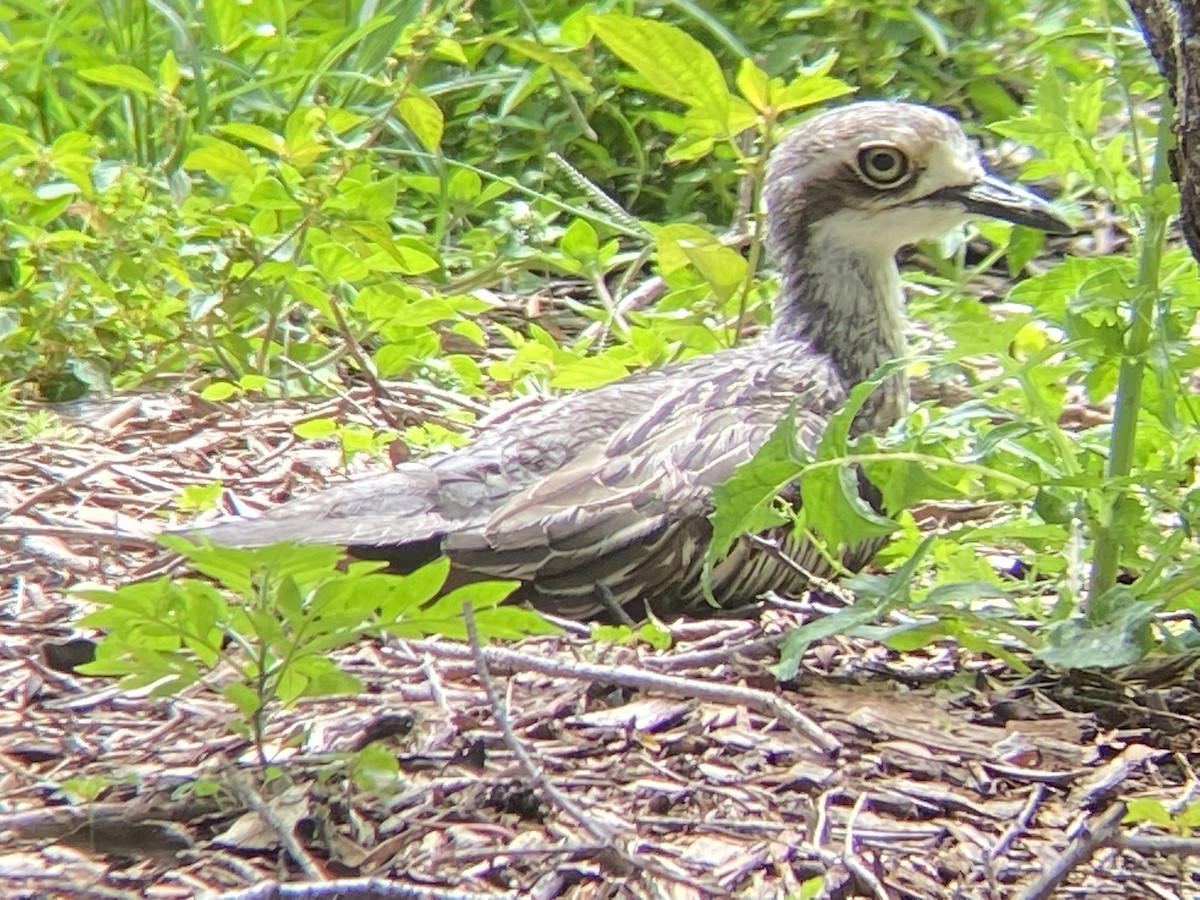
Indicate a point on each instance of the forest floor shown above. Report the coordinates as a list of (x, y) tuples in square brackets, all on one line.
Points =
[(616, 771)]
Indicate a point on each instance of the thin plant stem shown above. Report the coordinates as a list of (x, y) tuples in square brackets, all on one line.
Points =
[(1106, 551)]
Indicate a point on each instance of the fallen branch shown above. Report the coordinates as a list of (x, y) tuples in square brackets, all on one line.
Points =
[(763, 702)]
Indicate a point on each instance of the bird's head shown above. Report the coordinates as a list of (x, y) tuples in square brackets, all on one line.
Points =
[(873, 176)]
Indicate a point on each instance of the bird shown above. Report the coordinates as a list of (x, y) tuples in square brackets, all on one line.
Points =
[(597, 503)]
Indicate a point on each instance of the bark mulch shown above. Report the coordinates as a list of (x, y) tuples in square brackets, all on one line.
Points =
[(572, 768)]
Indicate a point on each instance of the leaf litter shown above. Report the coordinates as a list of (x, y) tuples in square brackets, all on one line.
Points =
[(955, 777)]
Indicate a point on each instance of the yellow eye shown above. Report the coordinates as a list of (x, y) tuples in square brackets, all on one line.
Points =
[(882, 165)]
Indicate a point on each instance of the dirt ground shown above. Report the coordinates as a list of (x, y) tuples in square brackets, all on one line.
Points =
[(599, 771)]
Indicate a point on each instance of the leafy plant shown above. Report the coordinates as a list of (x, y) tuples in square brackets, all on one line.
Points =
[(261, 626), (1150, 810)]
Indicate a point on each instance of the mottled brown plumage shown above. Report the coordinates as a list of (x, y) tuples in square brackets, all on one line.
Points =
[(602, 497)]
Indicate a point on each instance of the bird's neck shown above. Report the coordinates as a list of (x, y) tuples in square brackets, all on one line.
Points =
[(848, 307)]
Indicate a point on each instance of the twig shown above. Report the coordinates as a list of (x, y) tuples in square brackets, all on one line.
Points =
[(353, 889), (602, 834), (500, 713), (1160, 845), (649, 291), (1002, 846), (63, 483), (704, 659), (1104, 832), (435, 684), (1023, 819), (763, 702), (248, 794), (850, 856), (364, 365), (78, 533)]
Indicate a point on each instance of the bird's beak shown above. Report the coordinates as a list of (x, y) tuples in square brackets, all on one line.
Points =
[(992, 197)]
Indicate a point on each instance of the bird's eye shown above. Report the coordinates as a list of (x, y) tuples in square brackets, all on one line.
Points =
[(882, 165)]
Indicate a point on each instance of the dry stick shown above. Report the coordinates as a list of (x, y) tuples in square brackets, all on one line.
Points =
[(763, 702), (1002, 846), (248, 794), (597, 831), (352, 889), (69, 481), (435, 684), (649, 291), (1161, 845), (450, 398), (73, 533), (850, 857), (701, 659), (344, 395), (1105, 832)]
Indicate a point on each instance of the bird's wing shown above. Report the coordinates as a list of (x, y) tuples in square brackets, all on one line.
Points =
[(609, 485), (632, 511), (456, 491)]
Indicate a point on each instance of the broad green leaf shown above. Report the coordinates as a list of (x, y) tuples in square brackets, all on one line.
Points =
[(753, 83), (315, 429), (672, 63), (120, 75), (668, 241), (253, 134), (722, 267), (220, 160), (168, 72), (745, 502), (588, 372), (336, 262), (464, 186), (1119, 638), (423, 118), (218, 391), (558, 62), (834, 507), (808, 89), (580, 240), (1147, 809)]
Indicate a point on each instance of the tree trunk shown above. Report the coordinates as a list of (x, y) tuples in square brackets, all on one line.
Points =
[(1172, 32)]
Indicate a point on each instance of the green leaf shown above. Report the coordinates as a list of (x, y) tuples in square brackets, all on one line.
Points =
[(408, 592), (218, 391), (241, 696), (423, 118), (556, 61), (673, 64), (722, 267), (580, 240), (745, 502), (464, 186), (374, 768), (168, 72), (754, 84), (875, 596), (834, 507), (196, 497), (123, 76), (1147, 809), (221, 161), (1121, 637), (253, 134), (337, 262), (314, 429), (588, 372)]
